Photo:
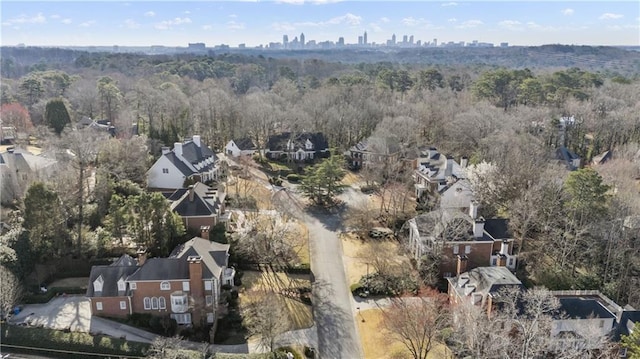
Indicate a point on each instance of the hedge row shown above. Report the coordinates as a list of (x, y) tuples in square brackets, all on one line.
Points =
[(72, 341), (39, 298)]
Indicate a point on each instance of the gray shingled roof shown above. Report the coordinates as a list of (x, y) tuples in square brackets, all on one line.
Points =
[(245, 143), (162, 269), (184, 169), (205, 202), (195, 154), (214, 255), (279, 142), (121, 268), (486, 280), (583, 308)]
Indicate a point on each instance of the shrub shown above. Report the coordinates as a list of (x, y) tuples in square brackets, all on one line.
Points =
[(289, 349), (309, 352), (356, 288), (38, 298), (293, 178), (276, 181), (163, 325), (302, 268)]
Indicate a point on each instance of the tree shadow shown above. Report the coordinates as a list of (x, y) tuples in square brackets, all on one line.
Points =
[(335, 325)]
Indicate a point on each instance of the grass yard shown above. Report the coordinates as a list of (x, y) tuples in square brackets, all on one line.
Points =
[(300, 314), (350, 179), (250, 188), (356, 264), (379, 344)]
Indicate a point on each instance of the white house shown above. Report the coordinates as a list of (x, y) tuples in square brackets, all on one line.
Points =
[(240, 147), (188, 159), (297, 147)]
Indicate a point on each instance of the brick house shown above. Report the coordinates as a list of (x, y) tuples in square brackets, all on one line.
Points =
[(446, 234), (373, 151), (198, 206), (440, 181), (184, 286)]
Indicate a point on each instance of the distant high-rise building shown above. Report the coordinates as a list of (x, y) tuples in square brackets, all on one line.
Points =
[(285, 41), (393, 39), (419, 43), (411, 39), (364, 38), (435, 42), (302, 40), (341, 41), (504, 44), (360, 40), (404, 39)]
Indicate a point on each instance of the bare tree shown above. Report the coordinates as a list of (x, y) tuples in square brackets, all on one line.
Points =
[(269, 239), (417, 322), (266, 316), (167, 348)]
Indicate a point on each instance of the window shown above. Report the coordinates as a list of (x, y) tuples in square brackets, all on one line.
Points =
[(147, 303), (165, 286), (601, 324), (165, 170), (154, 303), (182, 318), (210, 317), (207, 285), (455, 249), (122, 286), (179, 300), (97, 284), (209, 300), (510, 262), (467, 249), (494, 261), (185, 286), (133, 285), (123, 304), (99, 305)]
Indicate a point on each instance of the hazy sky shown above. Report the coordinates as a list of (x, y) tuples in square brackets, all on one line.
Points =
[(176, 23)]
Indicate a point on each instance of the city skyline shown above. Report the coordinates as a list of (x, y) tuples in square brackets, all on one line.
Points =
[(254, 23)]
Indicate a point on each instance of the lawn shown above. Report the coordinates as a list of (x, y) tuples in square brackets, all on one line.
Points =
[(300, 314), (379, 344), (356, 264), (250, 188)]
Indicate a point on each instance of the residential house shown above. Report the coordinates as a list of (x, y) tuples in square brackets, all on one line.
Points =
[(198, 206), (19, 168), (8, 134), (373, 151), (602, 158), (570, 159), (449, 233), (440, 181), (100, 125), (297, 146), (241, 147), (481, 285), (190, 159), (184, 286)]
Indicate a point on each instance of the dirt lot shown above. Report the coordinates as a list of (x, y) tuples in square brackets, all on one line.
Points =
[(379, 344), (299, 313)]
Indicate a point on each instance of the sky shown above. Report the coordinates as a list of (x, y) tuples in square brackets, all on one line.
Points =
[(255, 22)]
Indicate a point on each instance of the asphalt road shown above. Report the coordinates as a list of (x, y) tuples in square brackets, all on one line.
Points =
[(332, 302)]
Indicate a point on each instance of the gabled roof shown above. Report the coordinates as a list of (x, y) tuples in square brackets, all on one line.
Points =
[(383, 146), (214, 255), (205, 201), (279, 142), (583, 308), (111, 274), (162, 269), (195, 154), (563, 154), (245, 144), (181, 166), (484, 280)]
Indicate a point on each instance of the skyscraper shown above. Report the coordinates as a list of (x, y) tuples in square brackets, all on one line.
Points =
[(364, 38), (411, 39), (285, 41), (302, 40), (393, 39), (341, 41)]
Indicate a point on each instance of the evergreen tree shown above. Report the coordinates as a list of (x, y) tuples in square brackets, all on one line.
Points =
[(322, 183), (56, 115)]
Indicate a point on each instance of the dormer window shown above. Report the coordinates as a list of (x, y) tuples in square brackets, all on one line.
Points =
[(165, 286), (97, 284), (122, 286), (308, 145)]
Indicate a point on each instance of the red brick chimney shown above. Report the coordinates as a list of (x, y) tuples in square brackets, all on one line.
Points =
[(204, 232), (196, 287), (461, 265)]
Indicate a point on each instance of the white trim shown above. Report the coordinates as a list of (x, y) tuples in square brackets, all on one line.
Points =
[(147, 303), (165, 285), (123, 304), (99, 306)]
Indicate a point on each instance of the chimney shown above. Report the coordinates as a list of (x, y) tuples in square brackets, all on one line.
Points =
[(204, 232), (142, 256), (464, 161), (473, 209), (177, 149), (165, 150), (196, 140), (191, 193), (461, 265), (448, 170), (196, 287), (504, 247), (478, 228), (502, 260)]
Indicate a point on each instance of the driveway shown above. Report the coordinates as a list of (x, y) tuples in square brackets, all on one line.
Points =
[(62, 312)]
